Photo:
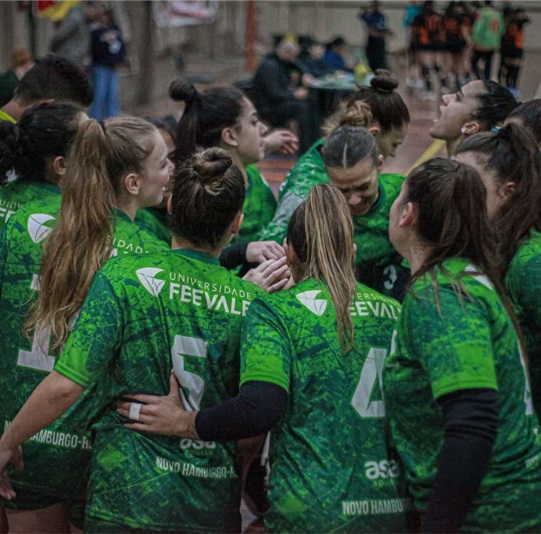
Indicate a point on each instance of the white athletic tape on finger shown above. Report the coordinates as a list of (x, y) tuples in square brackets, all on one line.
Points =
[(135, 409)]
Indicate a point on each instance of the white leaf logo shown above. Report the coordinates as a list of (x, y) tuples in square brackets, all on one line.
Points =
[(317, 306), (36, 226), (147, 277)]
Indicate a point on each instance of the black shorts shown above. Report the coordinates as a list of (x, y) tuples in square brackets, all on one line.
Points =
[(31, 500), (512, 53), (455, 47)]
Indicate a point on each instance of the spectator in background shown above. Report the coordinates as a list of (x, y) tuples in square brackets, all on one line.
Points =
[(377, 33), (71, 37), (51, 78), (21, 62), (278, 99), (107, 53), (486, 37), (310, 60), (334, 56), (512, 48)]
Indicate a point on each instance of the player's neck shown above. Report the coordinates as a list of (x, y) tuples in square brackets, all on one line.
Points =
[(179, 243), (452, 145), (416, 256)]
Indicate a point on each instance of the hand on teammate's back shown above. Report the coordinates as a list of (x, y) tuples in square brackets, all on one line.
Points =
[(271, 275), (9, 456), (260, 251)]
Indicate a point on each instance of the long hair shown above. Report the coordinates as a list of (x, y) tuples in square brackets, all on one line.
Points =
[(44, 132), (452, 222), (208, 193), (80, 243), (321, 234), (513, 156)]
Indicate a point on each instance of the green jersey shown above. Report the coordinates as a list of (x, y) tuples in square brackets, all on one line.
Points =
[(16, 194), (523, 281), (259, 206), (154, 221), (330, 469), (57, 457), (143, 317), (307, 172), (377, 264), (446, 343)]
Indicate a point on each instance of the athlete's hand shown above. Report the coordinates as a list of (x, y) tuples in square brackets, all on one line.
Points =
[(271, 275), (9, 456), (161, 415), (260, 251), (282, 141)]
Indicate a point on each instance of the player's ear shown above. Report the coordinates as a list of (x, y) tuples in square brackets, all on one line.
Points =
[(237, 223)]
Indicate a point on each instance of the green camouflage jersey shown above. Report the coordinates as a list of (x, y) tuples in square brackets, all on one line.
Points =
[(307, 172), (523, 281), (330, 469), (154, 221), (16, 194), (377, 264), (144, 316), (55, 458), (259, 206), (446, 343)]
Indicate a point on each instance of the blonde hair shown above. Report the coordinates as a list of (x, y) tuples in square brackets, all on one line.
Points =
[(79, 245), (321, 233), (357, 113)]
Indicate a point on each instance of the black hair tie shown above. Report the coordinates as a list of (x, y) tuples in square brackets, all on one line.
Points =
[(102, 124)]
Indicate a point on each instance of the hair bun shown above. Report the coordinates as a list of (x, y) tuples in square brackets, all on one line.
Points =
[(182, 91), (210, 166), (358, 113), (384, 82)]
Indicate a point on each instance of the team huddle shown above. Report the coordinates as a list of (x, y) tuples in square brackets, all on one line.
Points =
[(165, 318)]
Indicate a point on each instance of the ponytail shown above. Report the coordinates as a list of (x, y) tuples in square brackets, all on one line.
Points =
[(205, 116), (80, 243), (513, 156), (321, 233)]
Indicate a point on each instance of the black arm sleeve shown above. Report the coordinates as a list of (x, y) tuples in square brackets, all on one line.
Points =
[(471, 424), (257, 408), (234, 255)]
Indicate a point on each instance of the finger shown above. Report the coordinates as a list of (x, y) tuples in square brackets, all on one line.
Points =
[(6, 489), (142, 398), (278, 285), (279, 249), (263, 266), (272, 265), (123, 412), (174, 388), (278, 274)]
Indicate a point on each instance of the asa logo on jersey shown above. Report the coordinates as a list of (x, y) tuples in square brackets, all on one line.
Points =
[(308, 299), (383, 469), (147, 276), (36, 226)]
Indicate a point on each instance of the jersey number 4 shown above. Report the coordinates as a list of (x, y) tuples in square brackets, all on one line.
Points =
[(372, 370), (191, 384)]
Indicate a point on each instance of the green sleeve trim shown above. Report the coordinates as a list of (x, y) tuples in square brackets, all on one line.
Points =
[(82, 379), (264, 377), (459, 385)]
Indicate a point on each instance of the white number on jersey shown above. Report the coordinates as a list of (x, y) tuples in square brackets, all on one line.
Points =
[(184, 346), (38, 357), (372, 370)]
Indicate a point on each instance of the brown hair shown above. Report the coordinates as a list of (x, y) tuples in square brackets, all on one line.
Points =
[(208, 193), (357, 114), (80, 243), (321, 233), (386, 105), (514, 156)]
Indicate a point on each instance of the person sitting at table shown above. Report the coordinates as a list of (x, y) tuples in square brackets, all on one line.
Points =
[(310, 60), (278, 101), (334, 55)]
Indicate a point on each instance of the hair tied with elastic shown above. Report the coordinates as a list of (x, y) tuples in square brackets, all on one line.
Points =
[(383, 82), (102, 126), (183, 91)]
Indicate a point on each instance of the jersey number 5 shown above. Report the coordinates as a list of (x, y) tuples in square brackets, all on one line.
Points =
[(372, 370), (191, 384)]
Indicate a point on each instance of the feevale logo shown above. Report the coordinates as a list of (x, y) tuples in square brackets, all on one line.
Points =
[(147, 277), (308, 299), (36, 226)]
